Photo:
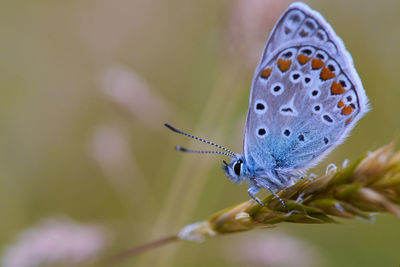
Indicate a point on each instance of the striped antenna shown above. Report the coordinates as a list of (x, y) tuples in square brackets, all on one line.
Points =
[(229, 153), (182, 149)]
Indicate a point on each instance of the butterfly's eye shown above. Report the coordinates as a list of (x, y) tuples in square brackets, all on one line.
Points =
[(237, 167)]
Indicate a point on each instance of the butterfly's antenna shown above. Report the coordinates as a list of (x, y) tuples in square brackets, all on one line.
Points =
[(182, 149), (199, 139)]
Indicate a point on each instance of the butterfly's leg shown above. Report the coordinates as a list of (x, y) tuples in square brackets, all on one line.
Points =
[(275, 195), (300, 198), (262, 183), (311, 177), (252, 192)]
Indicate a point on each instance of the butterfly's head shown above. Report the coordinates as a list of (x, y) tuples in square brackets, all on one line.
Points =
[(235, 170)]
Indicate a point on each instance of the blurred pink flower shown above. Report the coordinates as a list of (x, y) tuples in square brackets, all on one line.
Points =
[(56, 241), (133, 94), (110, 149), (273, 250)]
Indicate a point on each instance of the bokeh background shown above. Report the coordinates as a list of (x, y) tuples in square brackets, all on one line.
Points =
[(86, 167)]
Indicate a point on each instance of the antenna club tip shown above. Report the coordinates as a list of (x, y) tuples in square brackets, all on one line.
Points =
[(179, 148), (169, 126)]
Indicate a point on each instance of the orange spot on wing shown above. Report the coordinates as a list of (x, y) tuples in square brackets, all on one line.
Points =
[(337, 89), (327, 74), (340, 104), (284, 64), (347, 110), (303, 59), (266, 73), (317, 63), (348, 120)]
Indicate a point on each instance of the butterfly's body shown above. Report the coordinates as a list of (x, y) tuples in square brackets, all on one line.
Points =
[(305, 98)]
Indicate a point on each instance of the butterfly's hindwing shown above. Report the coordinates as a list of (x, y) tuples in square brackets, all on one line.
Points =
[(306, 95)]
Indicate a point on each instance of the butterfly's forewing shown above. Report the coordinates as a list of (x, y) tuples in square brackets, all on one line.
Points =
[(306, 94)]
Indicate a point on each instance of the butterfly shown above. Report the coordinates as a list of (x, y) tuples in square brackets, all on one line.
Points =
[(306, 97)]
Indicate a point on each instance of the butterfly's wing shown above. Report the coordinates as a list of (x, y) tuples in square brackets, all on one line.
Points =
[(306, 94)]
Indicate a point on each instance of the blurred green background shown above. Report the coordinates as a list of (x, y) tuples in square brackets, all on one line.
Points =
[(86, 86)]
